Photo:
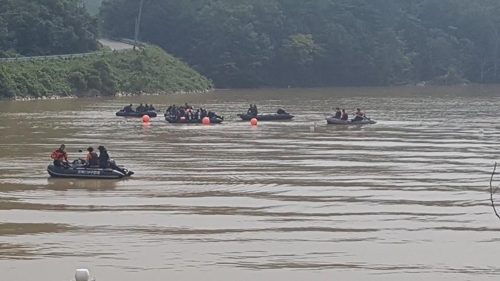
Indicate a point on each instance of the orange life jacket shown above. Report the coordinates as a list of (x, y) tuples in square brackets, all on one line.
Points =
[(93, 159), (59, 155)]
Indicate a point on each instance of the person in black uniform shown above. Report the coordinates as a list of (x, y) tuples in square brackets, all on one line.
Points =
[(281, 111), (338, 114), (128, 108), (104, 162)]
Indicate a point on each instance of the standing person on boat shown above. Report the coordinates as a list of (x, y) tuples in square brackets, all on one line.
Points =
[(338, 114), (60, 157), (345, 116), (92, 158), (360, 116)]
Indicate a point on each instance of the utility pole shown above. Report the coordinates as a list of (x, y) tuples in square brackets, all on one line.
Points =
[(80, 5), (137, 24)]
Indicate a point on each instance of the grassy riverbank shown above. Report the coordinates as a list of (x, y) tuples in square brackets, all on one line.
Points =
[(149, 70)]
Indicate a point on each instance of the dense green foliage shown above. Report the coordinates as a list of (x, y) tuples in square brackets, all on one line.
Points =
[(45, 27), (92, 6), (249, 43), (147, 70)]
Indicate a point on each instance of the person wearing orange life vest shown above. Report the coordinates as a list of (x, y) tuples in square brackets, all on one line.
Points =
[(60, 156), (92, 158)]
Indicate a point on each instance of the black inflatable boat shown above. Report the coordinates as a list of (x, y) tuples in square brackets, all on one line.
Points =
[(78, 170), (266, 117), (173, 120), (136, 114), (336, 121)]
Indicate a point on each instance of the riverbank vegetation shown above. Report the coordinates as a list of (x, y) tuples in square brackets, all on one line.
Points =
[(46, 27), (149, 70), (321, 42)]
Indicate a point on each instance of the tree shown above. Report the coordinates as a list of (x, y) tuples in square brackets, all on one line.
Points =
[(252, 43), (46, 27)]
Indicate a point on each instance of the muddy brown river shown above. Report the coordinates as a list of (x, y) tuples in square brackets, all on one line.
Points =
[(405, 199)]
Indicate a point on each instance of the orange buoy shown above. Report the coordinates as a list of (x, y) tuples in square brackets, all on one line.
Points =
[(205, 121), (253, 121), (146, 118)]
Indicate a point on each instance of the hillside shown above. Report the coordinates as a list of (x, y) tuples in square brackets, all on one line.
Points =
[(45, 27), (148, 70), (321, 43)]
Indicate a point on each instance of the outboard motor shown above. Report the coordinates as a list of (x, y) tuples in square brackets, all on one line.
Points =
[(79, 162)]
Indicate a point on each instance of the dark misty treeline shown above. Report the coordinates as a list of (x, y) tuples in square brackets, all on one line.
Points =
[(253, 43)]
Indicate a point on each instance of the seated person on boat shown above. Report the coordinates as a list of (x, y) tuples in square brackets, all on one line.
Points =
[(345, 116), (145, 108), (105, 162), (253, 110), (189, 113), (360, 116), (92, 159), (281, 111), (140, 108), (128, 108)]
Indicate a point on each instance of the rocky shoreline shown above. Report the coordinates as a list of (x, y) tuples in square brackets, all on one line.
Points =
[(119, 94)]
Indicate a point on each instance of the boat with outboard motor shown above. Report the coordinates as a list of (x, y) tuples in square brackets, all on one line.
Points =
[(336, 121), (150, 113), (79, 170), (266, 117), (183, 120)]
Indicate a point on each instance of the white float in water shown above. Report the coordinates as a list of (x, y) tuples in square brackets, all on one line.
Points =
[(83, 274), (312, 128)]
